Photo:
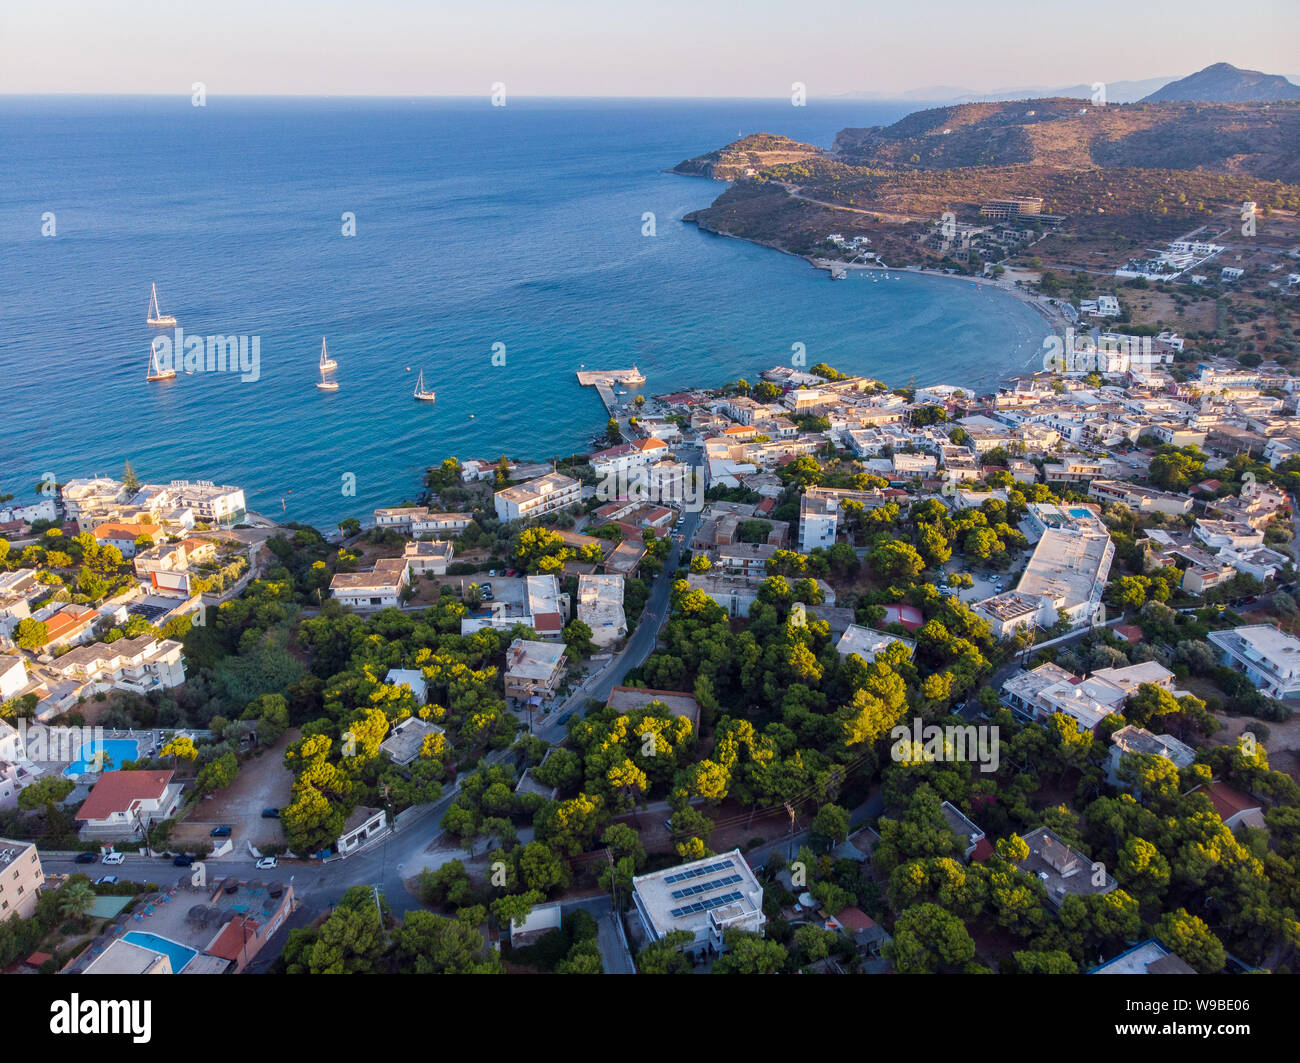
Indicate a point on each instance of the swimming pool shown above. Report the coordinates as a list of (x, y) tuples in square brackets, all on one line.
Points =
[(178, 954), (118, 750), (1080, 514)]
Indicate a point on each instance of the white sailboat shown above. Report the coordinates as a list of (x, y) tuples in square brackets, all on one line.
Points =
[(326, 384), (420, 393), (326, 362), (156, 371), (155, 316)]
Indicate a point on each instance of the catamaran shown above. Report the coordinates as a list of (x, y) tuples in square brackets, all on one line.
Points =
[(420, 393), (326, 362), (155, 316), (157, 371)]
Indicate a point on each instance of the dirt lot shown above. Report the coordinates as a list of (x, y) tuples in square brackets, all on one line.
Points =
[(1282, 745), (263, 782)]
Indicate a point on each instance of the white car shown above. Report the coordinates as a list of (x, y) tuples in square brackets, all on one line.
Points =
[(267, 863), (113, 858)]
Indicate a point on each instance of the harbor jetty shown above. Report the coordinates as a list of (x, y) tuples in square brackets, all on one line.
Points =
[(604, 380)]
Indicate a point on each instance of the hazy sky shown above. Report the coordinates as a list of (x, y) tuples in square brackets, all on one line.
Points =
[(611, 48)]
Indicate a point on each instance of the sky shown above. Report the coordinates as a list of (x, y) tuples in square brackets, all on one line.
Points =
[(754, 48)]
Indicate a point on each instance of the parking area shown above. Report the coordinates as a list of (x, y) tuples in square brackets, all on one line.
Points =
[(263, 781)]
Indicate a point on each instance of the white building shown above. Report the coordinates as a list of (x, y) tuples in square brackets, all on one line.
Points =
[(546, 494), (1133, 739), (379, 588), (139, 665), (430, 557), (1270, 658), (705, 898), (867, 642)]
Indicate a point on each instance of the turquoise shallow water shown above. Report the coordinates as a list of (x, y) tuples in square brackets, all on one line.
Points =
[(475, 226)]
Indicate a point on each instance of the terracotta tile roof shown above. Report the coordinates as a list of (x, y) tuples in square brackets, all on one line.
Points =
[(1227, 801), (68, 620), (118, 791), (230, 942), (117, 530)]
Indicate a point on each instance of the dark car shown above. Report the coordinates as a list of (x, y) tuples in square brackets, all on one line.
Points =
[(565, 718), (182, 860), (86, 858), (270, 813), (219, 832)]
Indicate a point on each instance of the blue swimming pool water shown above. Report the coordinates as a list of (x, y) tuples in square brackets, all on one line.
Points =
[(177, 953), (119, 751), (1080, 513)]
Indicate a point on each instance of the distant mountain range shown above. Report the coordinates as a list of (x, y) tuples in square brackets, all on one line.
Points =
[(1220, 83), (1225, 83)]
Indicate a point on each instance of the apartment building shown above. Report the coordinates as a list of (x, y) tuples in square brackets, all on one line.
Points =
[(1269, 658), (139, 665), (21, 879), (1140, 499), (533, 669), (546, 494), (428, 558)]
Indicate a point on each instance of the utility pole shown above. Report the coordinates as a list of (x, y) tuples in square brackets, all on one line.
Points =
[(790, 810), (378, 909)]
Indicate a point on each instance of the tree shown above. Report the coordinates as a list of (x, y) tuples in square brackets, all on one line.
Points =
[(665, 956), (49, 789), (831, 824), (896, 559), (431, 944), (749, 954), (31, 634), (75, 900), (218, 774), (700, 563), (349, 526), (577, 639), (180, 747), (928, 939), (1192, 940), (129, 479), (542, 868), (513, 909)]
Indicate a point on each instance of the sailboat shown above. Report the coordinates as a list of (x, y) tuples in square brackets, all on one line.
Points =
[(326, 362), (327, 385), (155, 315), (156, 371), (420, 393)]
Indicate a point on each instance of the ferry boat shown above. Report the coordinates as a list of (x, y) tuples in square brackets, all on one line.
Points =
[(326, 362), (155, 316), (156, 371), (420, 393)]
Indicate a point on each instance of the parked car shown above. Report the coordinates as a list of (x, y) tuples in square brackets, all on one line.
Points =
[(219, 832), (106, 880), (113, 858), (270, 813), (565, 718), (267, 863), (85, 858), (511, 573), (182, 861), (486, 588), (492, 572)]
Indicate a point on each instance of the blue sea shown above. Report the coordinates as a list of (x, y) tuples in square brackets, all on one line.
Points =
[(475, 226)]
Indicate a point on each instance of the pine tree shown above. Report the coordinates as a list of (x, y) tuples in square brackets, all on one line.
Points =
[(129, 479)]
